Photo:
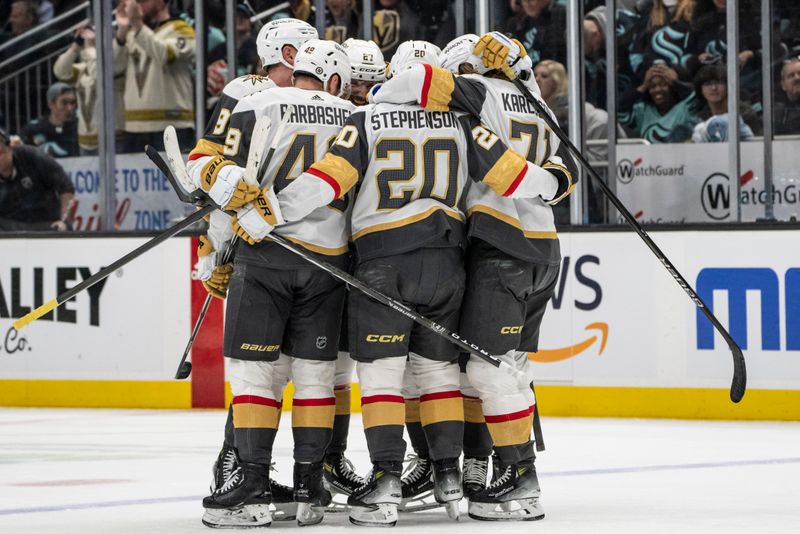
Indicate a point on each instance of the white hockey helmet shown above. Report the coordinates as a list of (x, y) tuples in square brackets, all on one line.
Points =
[(322, 59), (460, 50), (412, 53), (366, 60), (276, 34), (518, 58)]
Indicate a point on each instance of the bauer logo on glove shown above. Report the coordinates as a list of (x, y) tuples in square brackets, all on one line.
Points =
[(256, 220)]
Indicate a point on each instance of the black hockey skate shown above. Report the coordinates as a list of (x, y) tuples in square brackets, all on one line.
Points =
[(341, 479), (242, 501), (514, 496), (375, 503), (476, 471), (418, 486), (310, 494), (447, 485)]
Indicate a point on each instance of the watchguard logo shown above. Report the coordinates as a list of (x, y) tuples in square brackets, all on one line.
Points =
[(627, 170)]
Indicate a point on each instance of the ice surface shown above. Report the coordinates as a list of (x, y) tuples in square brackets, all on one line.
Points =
[(137, 471)]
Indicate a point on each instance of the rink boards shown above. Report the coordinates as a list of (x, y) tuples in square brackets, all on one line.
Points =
[(620, 338)]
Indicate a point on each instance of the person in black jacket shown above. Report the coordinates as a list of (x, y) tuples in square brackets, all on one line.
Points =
[(35, 192), (56, 134), (544, 30), (787, 104)]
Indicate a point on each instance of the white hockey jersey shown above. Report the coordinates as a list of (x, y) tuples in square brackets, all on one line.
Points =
[(314, 124), (412, 169), (523, 228)]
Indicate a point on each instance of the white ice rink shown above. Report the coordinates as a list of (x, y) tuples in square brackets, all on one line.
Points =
[(114, 471)]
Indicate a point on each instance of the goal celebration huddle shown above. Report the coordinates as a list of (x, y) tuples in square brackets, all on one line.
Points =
[(430, 181)]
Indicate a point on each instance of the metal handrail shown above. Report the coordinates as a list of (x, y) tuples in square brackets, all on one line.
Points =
[(32, 65), (84, 6), (37, 46)]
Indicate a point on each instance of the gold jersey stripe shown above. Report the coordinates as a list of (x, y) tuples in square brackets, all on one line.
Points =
[(497, 214), (440, 91), (504, 172), (338, 169), (514, 432), (412, 411), (159, 115), (383, 413), (204, 147), (313, 416), (473, 411), (440, 410), (319, 249), (255, 416), (342, 401), (408, 220)]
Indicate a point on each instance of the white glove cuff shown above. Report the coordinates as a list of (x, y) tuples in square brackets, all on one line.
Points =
[(537, 182), (225, 184), (205, 266)]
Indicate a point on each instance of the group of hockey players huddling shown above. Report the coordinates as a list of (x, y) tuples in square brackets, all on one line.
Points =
[(433, 186)]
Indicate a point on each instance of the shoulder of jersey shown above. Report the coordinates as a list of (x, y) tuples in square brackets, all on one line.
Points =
[(243, 86), (319, 97)]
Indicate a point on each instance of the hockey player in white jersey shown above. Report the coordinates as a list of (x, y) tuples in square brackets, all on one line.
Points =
[(366, 69), (412, 169), (277, 43), (283, 315), (513, 262)]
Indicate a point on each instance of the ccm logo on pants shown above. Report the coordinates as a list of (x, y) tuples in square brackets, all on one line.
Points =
[(511, 330), (385, 338)]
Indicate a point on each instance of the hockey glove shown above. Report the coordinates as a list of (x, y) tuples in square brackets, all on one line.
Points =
[(499, 52), (256, 220), (222, 180), (217, 284), (215, 277)]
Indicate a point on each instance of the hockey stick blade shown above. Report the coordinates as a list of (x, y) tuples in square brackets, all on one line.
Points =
[(163, 166), (739, 381), (175, 159)]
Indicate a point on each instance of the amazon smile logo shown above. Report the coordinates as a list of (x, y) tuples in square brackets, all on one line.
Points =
[(565, 353)]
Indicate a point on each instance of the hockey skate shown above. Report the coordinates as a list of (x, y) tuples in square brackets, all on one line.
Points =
[(375, 503), (418, 486), (341, 480), (475, 473), (283, 507), (447, 485), (242, 501), (514, 496), (310, 494)]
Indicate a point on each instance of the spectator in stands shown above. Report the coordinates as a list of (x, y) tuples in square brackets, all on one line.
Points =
[(24, 15), (246, 52), (35, 193), (711, 93), (515, 23), (341, 20), (665, 112), (544, 30), (395, 23), (157, 50), (594, 52), (787, 105), (77, 67), (551, 76), (55, 134)]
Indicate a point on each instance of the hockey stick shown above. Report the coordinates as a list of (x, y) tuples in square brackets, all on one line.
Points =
[(103, 273), (352, 281), (254, 172), (739, 382)]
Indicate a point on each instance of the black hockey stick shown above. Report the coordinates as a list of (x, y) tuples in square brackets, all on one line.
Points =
[(739, 382), (106, 271)]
